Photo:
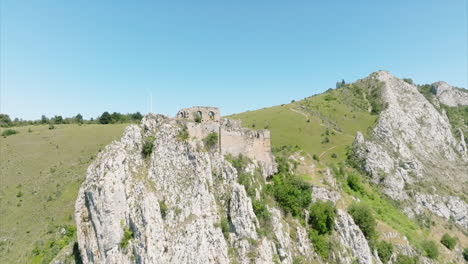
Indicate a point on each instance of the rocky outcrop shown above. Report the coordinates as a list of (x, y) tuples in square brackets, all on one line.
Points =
[(353, 240), (172, 206), (412, 143), (450, 95), (448, 207)]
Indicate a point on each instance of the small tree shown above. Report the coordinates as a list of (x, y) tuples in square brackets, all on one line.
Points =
[(322, 216), (465, 254), (148, 146), (58, 119), (79, 118), (5, 120), (44, 119), (105, 118), (364, 218), (448, 241), (385, 251)]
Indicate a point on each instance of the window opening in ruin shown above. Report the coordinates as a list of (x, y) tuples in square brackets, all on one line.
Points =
[(211, 114)]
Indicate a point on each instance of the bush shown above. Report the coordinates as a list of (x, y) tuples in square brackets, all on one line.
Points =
[(385, 251), (51, 126), (408, 80), (148, 146), (430, 249), (321, 243), (291, 193), (403, 259), (225, 227), (127, 236), (261, 210), (448, 241), (334, 156), (465, 254), (9, 132), (354, 182), (322, 216), (163, 209), (315, 157), (183, 134), (211, 140), (364, 218)]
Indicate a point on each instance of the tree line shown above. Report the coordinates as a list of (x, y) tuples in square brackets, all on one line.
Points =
[(105, 118)]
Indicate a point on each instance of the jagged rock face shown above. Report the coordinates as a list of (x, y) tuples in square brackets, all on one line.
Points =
[(411, 143), (444, 206), (354, 241), (450, 95), (168, 207)]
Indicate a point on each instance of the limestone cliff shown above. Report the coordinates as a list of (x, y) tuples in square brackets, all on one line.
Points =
[(180, 204), (412, 152)]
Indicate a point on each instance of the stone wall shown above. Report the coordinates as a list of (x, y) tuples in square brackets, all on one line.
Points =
[(235, 140)]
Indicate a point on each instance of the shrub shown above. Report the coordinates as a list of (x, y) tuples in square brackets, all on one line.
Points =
[(238, 163), (148, 146), (127, 236), (385, 251), (326, 140), (183, 134), (354, 182), (403, 259), (448, 241), (261, 210), (322, 216), (225, 227), (163, 208), (364, 218), (430, 249), (465, 254), (321, 243), (51, 126), (334, 156), (291, 193), (29, 130), (9, 132), (408, 80), (315, 157), (211, 140)]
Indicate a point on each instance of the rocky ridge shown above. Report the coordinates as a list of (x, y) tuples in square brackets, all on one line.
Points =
[(413, 144), (170, 206)]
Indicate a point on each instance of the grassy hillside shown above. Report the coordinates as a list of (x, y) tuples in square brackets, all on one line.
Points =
[(324, 126), (321, 125), (41, 171)]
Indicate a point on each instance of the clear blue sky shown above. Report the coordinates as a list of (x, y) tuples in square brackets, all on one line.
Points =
[(69, 57)]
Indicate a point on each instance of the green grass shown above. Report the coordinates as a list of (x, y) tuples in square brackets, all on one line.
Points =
[(47, 168), (305, 123)]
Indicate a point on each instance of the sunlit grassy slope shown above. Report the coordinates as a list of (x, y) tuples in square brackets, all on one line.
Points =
[(305, 123), (40, 174)]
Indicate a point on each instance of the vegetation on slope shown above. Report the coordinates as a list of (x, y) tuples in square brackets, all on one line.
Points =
[(321, 125), (41, 172)]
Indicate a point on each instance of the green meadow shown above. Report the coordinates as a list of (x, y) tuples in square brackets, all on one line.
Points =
[(41, 171)]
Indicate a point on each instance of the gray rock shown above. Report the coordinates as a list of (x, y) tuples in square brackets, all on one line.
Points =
[(172, 203), (450, 95)]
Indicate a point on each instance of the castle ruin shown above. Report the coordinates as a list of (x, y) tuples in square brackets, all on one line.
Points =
[(233, 139), (202, 113)]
